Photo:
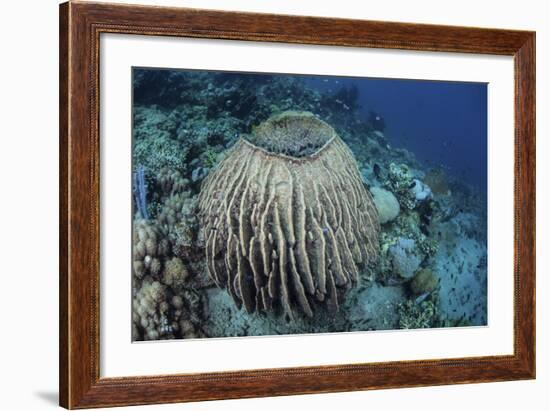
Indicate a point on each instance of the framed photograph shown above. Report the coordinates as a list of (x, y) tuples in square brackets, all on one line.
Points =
[(259, 205)]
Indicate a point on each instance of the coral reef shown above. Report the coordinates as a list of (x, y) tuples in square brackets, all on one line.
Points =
[(400, 181), (149, 247), (420, 190), (155, 146), (274, 244), (171, 181), (405, 258), (175, 273), (151, 309), (386, 204), (424, 281), (284, 227), (164, 303), (418, 315)]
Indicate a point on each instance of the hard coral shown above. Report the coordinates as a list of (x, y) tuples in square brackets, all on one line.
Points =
[(386, 204), (148, 248), (171, 181), (417, 315), (405, 258), (151, 310), (424, 281), (400, 181), (286, 217), (175, 273)]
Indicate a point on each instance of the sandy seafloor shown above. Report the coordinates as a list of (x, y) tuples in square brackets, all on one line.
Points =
[(432, 268)]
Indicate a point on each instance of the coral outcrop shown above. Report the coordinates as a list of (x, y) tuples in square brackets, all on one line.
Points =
[(151, 311), (175, 273), (405, 258), (417, 315), (400, 181), (286, 218), (420, 190), (386, 204), (149, 248), (424, 281)]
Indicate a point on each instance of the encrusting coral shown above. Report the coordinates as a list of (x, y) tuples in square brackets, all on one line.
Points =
[(286, 218)]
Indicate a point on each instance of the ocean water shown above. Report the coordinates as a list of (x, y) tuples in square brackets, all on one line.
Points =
[(418, 155), (443, 122)]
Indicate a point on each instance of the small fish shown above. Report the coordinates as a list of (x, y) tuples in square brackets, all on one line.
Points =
[(376, 169)]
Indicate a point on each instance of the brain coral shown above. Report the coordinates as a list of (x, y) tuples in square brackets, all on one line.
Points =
[(286, 218), (386, 204)]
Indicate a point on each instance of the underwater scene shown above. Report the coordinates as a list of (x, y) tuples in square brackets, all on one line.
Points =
[(272, 204)]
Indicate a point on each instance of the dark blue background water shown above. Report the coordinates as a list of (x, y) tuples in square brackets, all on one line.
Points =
[(443, 123)]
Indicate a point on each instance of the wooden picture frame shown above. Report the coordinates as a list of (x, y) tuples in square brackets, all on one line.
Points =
[(80, 27)]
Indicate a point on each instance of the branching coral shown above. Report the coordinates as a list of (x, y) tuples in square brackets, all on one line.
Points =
[(175, 273), (151, 309), (286, 218), (417, 315), (171, 181), (148, 249), (158, 313), (400, 181), (154, 145), (178, 216)]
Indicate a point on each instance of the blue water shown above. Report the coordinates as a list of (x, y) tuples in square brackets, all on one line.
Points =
[(443, 123)]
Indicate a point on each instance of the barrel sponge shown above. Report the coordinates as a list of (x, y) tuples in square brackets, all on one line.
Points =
[(386, 204), (287, 221)]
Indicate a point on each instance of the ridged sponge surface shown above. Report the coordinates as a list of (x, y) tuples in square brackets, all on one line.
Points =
[(284, 230)]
